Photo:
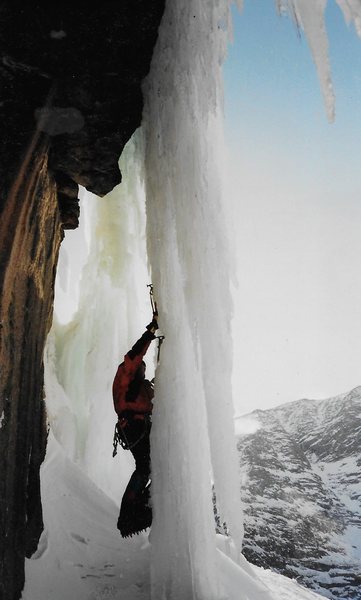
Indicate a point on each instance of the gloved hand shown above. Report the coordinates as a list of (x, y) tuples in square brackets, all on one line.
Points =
[(153, 326)]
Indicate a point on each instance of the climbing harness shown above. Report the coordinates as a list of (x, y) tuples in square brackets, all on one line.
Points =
[(121, 438), (118, 440)]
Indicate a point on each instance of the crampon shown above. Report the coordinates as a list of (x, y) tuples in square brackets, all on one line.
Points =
[(135, 514)]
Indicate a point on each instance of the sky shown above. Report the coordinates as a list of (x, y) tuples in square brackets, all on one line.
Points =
[(295, 196)]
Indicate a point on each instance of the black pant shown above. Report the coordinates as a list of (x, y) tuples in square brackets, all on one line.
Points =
[(141, 453), (136, 434), (135, 512)]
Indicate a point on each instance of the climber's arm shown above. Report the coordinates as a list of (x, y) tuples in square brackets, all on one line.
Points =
[(133, 359)]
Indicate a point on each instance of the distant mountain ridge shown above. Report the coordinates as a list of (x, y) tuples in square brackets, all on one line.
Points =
[(301, 474)]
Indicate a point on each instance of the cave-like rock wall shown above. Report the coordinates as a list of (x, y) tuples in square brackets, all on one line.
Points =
[(70, 98), (32, 234)]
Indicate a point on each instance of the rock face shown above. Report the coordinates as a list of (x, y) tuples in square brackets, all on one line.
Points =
[(76, 73), (70, 80), (32, 234), (301, 465)]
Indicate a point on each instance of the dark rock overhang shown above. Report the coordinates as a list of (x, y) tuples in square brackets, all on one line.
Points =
[(75, 73)]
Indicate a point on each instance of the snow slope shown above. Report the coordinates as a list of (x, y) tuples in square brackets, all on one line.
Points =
[(81, 555)]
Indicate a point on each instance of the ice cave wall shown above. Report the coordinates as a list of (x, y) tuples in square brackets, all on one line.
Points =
[(70, 79)]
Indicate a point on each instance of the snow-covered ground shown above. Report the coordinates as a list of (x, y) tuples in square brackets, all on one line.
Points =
[(81, 555)]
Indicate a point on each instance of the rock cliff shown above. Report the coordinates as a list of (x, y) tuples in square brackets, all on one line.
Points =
[(301, 465), (70, 80)]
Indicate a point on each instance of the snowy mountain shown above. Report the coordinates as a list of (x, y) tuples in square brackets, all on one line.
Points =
[(300, 466)]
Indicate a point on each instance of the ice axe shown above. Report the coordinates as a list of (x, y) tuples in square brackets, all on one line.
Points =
[(160, 339), (153, 304), (152, 301)]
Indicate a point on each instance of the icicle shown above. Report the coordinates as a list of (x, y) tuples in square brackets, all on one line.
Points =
[(352, 12), (310, 16)]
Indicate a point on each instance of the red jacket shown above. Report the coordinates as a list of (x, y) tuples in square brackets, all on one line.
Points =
[(142, 402)]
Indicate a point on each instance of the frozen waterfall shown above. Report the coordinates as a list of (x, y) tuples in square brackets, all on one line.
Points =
[(193, 440), (193, 434), (166, 223)]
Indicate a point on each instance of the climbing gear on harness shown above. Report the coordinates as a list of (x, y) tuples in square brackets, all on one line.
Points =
[(118, 440), (120, 436)]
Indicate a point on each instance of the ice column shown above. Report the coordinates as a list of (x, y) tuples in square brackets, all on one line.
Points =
[(192, 435)]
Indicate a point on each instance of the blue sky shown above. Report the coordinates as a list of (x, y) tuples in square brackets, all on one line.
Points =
[(270, 77), (296, 193)]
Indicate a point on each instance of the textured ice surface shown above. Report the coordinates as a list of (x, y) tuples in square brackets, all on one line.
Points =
[(193, 433)]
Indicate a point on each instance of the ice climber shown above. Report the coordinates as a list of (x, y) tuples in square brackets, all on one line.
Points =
[(132, 396)]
